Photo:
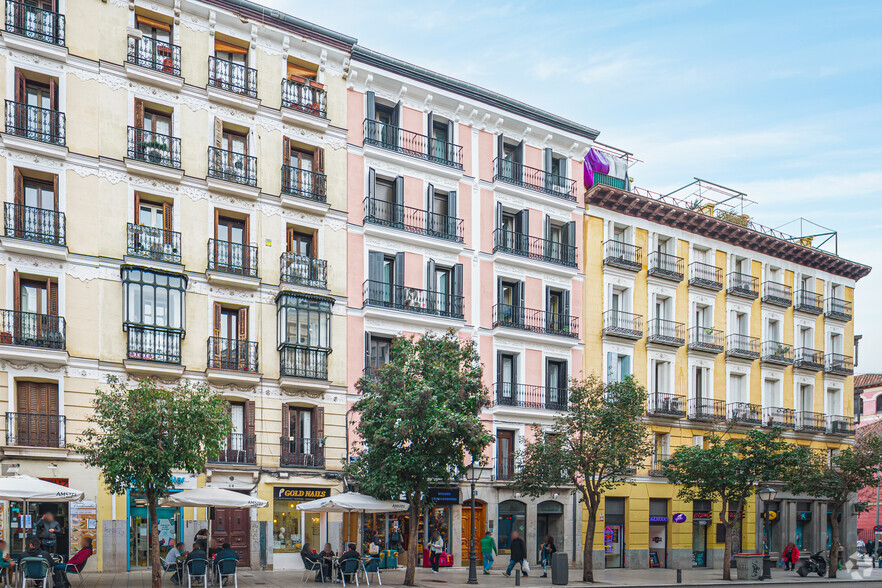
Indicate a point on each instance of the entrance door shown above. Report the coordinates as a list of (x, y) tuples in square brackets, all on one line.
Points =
[(699, 544), (139, 532), (658, 540), (480, 528), (232, 525), (614, 545)]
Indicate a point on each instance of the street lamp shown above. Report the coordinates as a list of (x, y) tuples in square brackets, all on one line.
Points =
[(767, 495), (474, 474)]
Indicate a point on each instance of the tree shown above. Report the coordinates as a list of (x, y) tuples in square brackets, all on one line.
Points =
[(837, 477), (727, 470), (595, 446), (419, 423), (138, 437)]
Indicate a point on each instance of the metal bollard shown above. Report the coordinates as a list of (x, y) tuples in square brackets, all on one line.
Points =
[(679, 576), (517, 577)]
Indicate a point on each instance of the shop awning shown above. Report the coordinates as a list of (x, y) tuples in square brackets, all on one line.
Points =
[(213, 497), (27, 488), (353, 502)]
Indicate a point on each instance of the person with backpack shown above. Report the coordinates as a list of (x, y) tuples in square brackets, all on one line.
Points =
[(545, 552)]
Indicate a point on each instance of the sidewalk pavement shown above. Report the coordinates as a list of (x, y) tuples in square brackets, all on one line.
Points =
[(457, 577)]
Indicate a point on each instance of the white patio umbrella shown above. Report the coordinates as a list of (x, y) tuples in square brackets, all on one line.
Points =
[(353, 502), (30, 489)]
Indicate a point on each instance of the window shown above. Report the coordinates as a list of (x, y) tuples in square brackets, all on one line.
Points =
[(377, 351), (154, 298), (513, 228), (775, 274), (701, 254), (300, 242), (621, 233), (805, 398), (618, 367), (510, 159), (773, 330), (441, 219), (385, 279), (701, 383), (304, 320), (37, 117), (230, 250), (835, 343), (558, 171), (741, 265), (510, 309), (665, 245), (661, 377), (703, 315), (507, 379), (230, 348), (737, 391), (153, 29), (806, 337), (440, 133), (772, 393), (556, 384), (505, 454), (740, 323), (663, 308), (304, 168), (302, 436), (833, 402), (36, 422), (228, 68), (34, 214)]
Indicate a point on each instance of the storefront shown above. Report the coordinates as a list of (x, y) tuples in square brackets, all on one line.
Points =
[(512, 517), (701, 521), (803, 523), (614, 533), (658, 533), (23, 522), (549, 521), (438, 518), (293, 528), (169, 520)]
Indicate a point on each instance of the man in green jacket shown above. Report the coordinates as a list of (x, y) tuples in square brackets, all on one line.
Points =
[(488, 548)]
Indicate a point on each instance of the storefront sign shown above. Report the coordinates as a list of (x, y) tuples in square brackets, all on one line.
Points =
[(701, 515), (296, 493), (60, 481), (679, 517), (771, 515), (183, 481), (658, 519), (443, 496), (803, 515), (607, 540)]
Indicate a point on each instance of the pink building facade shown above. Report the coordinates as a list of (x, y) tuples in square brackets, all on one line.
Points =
[(868, 410)]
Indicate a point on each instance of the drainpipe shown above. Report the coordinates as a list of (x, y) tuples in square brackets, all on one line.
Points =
[(575, 535)]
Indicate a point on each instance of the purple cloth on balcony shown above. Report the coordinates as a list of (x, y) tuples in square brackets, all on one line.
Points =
[(594, 162)]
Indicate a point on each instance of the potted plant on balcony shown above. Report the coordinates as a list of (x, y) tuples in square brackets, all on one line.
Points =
[(783, 349), (154, 151)]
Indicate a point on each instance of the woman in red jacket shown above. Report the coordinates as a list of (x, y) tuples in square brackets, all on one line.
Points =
[(790, 556), (74, 564)]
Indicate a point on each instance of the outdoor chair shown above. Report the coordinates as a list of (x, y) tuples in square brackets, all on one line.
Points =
[(227, 567), (197, 568), (72, 569), (310, 566), (169, 569), (373, 567), (350, 567), (34, 571)]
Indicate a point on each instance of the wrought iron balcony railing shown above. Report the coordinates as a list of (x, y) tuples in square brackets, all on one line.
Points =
[(810, 359), (232, 258), (155, 148), (774, 416), (743, 346), (838, 364), (232, 354), (413, 220), (30, 20), (29, 329), (34, 224), (232, 77), (538, 321), (657, 466), (706, 339), (777, 294), (743, 285), (707, 409), (394, 138), (527, 396), (305, 184), (416, 300), (744, 413), (706, 276), (840, 425), (240, 448), (26, 429), (305, 97), (618, 323), (777, 352), (153, 243), (506, 467), (531, 178), (155, 54), (666, 332), (813, 422), (232, 167), (32, 122), (839, 309), (159, 344), (808, 301), (506, 241), (302, 452), (304, 270), (623, 255), (667, 405), (665, 266), (298, 361)]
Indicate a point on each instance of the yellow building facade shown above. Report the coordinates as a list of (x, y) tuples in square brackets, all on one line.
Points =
[(729, 326)]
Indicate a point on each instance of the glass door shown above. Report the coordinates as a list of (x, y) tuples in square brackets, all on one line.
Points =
[(168, 520), (614, 545)]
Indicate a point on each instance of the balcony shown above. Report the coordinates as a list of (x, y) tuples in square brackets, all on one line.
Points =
[(706, 339), (808, 301), (305, 102), (777, 294), (702, 275), (304, 270), (811, 422), (663, 265), (667, 405), (707, 409), (302, 452), (415, 300), (840, 425), (536, 321), (240, 449), (233, 173), (506, 468), (626, 325), (743, 285), (153, 344), (310, 363), (232, 354), (657, 466), (25, 429), (161, 62), (304, 184), (610, 181), (155, 149), (809, 359), (29, 329), (39, 226), (154, 244), (412, 144), (777, 353), (839, 309), (665, 332), (28, 20), (527, 396), (511, 242), (839, 365), (534, 179), (782, 418), (237, 82), (37, 124), (743, 346), (226, 259), (622, 255), (744, 413), (413, 220)]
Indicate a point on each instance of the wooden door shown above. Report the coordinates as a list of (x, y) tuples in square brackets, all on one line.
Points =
[(480, 528), (232, 525)]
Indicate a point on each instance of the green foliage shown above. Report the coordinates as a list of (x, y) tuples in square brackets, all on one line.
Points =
[(595, 446)]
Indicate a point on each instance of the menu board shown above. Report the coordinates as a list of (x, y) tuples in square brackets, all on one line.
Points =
[(83, 522)]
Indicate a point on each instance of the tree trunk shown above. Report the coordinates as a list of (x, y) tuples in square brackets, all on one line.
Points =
[(410, 572), (155, 564), (833, 563), (588, 550), (727, 551)]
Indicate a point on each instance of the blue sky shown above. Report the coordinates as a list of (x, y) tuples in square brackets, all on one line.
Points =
[(780, 100)]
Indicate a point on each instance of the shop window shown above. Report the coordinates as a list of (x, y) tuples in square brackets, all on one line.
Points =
[(292, 528), (512, 517)]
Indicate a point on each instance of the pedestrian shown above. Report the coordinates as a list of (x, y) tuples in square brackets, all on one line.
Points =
[(395, 541), (518, 554), (545, 552), (861, 547), (47, 530), (790, 555), (488, 549), (436, 548), (202, 539)]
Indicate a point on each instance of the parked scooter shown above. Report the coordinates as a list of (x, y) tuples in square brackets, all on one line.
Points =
[(815, 563)]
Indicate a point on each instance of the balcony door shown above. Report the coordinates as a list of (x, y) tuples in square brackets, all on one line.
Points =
[(229, 66), (507, 379), (505, 452), (557, 310), (556, 384), (377, 350), (302, 432), (230, 348), (34, 217), (231, 240), (37, 118), (36, 306), (154, 227), (154, 46), (36, 419), (385, 278), (510, 303)]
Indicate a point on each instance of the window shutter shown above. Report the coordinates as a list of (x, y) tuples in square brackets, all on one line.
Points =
[(19, 186), (398, 209), (450, 127), (243, 324), (139, 113), (499, 215), (286, 150), (318, 423), (367, 351), (500, 147), (23, 396), (217, 319), (138, 211), (548, 160), (218, 132), (430, 124), (626, 366), (372, 183), (570, 234), (375, 266), (17, 293), (55, 195), (519, 154), (399, 269), (370, 106), (431, 293), (20, 93), (396, 115), (565, 307), (610, 367), (430, 202), (547, 235), (52, 289), (521, 306), (167, 221), (457, 288), (319, 160), (525, 222), (53, 93), (249, 427), (286, 434), (499, 371), (289, 238), (499, 299), (451, 207)]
